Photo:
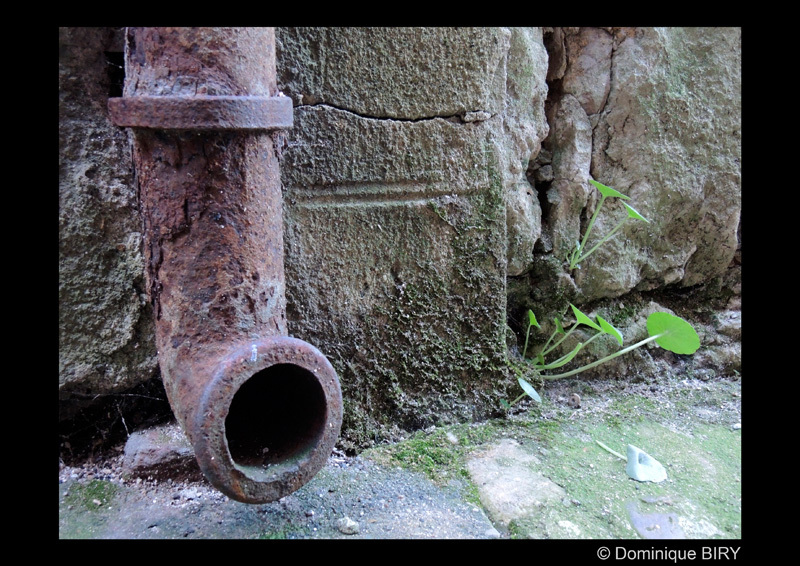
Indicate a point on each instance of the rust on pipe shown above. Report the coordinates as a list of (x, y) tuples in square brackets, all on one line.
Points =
[(204, 112), (262, 410)]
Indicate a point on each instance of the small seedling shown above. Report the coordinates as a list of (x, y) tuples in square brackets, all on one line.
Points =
[(578, 254), (668, 331)]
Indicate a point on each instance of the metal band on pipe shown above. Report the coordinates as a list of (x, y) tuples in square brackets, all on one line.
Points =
[(202, 112)]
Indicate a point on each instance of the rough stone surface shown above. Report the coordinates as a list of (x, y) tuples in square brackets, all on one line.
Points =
[(656, 114), (396, 212), (396, 73), (105, 327), (588, 74), (510, 487), (524, 226), (163, 451), (524, 128), (431, 194), (669, 137), (568, 192)]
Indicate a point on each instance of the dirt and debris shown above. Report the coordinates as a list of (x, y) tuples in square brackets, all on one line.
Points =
[(429, 486)]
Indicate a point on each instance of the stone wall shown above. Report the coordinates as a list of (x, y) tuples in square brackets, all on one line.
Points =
[(656, 114), (434, 180), (396, 173), (106, 342)]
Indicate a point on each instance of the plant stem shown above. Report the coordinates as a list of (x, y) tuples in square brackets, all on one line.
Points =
[(557, 344), (553, 335), (617, 454), (527, 334), (603, 360), (601, 242), (574, 261), (563, 360), (517, 399)]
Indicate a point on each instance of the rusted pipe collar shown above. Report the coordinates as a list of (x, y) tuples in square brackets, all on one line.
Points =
[(202, 112)]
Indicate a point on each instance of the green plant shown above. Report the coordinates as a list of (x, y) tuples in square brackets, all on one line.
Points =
[(668, 331), (578, 255)]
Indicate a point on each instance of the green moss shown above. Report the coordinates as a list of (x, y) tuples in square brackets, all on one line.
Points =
[(630, 410), (701, 453), (621, 312), (438, 348), (93, 495), (426, 453), (599, 487), (432, 349), (440, 454), (85, 508), (277, 535), (546, 431)]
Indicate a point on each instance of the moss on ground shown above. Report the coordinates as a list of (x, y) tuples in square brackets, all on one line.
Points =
[(93, 495), (96, 497), (688, 428)]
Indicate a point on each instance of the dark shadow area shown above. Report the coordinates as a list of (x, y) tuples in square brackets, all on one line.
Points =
[(278, 413)]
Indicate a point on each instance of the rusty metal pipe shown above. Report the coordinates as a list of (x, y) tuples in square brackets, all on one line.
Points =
[(262, 410)]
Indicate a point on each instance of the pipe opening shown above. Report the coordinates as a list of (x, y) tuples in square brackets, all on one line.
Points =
[(278, 414)]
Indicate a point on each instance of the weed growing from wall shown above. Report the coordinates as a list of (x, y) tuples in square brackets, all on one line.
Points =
[(668, 331)]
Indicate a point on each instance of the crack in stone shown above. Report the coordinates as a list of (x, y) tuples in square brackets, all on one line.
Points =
[(465, 117)]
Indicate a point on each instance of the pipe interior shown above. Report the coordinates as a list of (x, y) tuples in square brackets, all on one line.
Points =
[(278, 414)]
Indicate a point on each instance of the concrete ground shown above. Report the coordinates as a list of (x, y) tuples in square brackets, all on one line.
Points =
[(537, 473)]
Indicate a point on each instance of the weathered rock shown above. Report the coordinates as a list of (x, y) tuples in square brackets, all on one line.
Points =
[(348, 526), (588, 74), (524, 128), (105, 327), (161, 451), (660, 112), (670, 138), (396, 210), (523, 224), (395, 73), (570, 142), (508, 483)]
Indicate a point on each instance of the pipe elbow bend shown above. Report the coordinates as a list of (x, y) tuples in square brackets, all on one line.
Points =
[(267, 419)]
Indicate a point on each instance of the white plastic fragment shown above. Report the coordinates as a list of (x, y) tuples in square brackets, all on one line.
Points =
[(643, 467)]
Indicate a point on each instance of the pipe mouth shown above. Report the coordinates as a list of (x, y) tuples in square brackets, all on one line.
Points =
[(268, 419), (278, 415)]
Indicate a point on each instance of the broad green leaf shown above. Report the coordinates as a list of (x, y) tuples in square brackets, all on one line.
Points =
[(677, 335), (559, 328), (633, 214), (532, 319), (583, 319), (563, 360), (608, 191), (528, 388), (608, 328)]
